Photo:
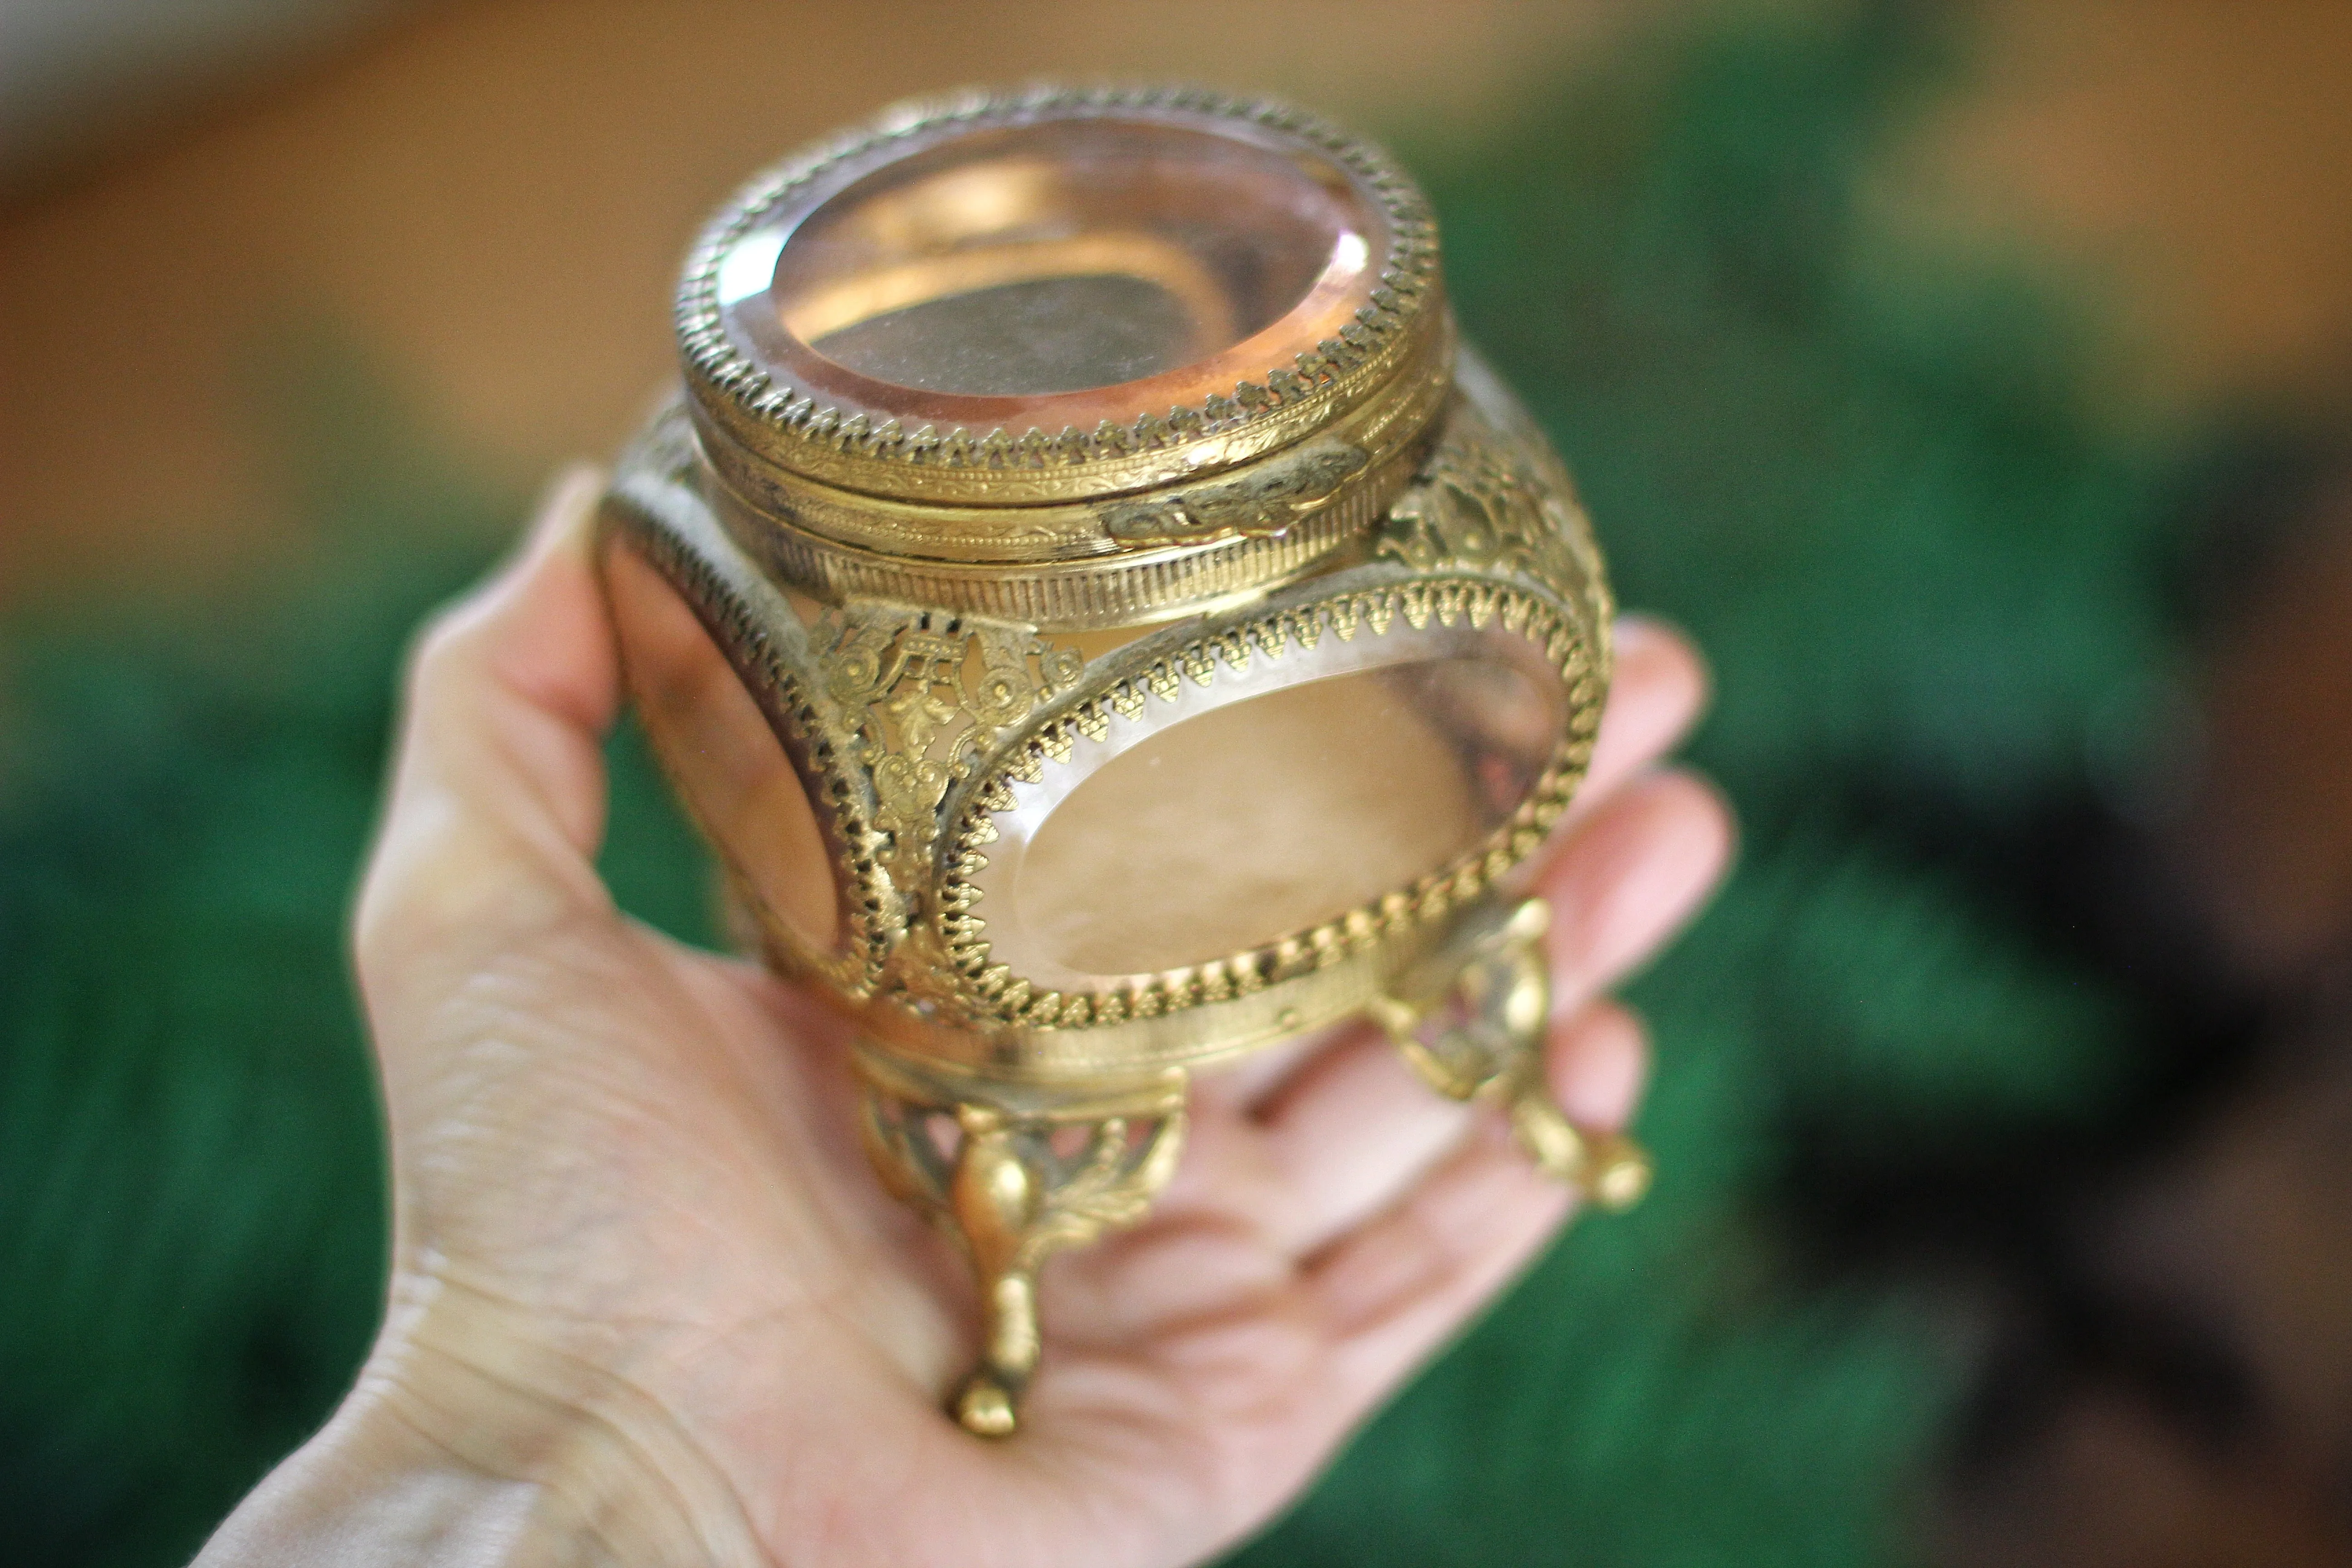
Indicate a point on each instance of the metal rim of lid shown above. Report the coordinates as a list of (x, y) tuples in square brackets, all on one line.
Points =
[(836, 544), (771, 424)]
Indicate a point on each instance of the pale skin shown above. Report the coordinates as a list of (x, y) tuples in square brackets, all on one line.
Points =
[(649, 1305)]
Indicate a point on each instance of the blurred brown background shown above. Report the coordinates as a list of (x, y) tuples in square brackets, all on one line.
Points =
[(493, 195)]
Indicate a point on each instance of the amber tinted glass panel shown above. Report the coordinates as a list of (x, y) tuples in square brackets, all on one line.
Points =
[(729, 767), (1233, 828), (1059, 256)]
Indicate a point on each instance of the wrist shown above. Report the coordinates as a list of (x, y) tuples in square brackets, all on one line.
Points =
[(466, 1443), (370, 1489)]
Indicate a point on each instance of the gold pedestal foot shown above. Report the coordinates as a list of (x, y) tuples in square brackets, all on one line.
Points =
[(986, 1407), (1607, 1167), (1015, 1175), (1472, 1022)]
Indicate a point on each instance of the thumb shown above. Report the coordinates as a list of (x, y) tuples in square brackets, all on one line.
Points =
[(497, 792)]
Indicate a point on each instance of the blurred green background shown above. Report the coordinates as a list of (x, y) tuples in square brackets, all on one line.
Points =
[(1882, 471)]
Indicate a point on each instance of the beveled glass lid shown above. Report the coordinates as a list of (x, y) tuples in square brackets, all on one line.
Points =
[(1054, 296)]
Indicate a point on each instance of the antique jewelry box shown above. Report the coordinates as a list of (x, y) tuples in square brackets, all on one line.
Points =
[(1106, 625)]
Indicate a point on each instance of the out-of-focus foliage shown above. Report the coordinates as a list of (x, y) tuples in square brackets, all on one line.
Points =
[(192, 1223), (1872, 482), (1864, 477)]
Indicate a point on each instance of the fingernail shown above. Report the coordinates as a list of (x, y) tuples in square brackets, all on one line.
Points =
[(563, 505), (571, 489), (1633, 629), (1641, 636)]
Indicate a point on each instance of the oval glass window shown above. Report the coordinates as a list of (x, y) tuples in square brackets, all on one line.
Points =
[(722, 757), (1259, 814)]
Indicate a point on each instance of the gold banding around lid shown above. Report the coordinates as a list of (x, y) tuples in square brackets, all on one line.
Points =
[(1112, 561), (1046, 298)]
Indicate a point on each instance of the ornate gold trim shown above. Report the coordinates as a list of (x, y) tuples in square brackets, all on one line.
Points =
[(925, 694), (1012, 1193), (1002, 997), (1484, 537), (1375, 446), (1487, 541), (1472, 1019), (658, 505), (749, 408)]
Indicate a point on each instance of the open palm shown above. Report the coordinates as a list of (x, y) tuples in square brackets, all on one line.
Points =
[(649, 1305)]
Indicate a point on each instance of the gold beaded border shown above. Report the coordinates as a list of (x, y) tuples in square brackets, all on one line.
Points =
[(743, 613), (1005, 997), (822, 440)]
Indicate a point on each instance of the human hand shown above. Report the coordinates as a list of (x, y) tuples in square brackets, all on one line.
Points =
[(648, 1303)]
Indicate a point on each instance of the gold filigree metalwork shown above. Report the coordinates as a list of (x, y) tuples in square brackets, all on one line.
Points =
[(1487, 542), (997, 992), (1472, 1022), (1012, 1183), (1482, 502), (929, 692)]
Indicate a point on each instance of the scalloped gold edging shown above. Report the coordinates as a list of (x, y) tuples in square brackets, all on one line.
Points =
[(1288, 403), (1005, 998)]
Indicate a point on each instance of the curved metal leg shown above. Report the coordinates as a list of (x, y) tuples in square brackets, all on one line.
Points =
[(1474, 1027), (1014, 1177)]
